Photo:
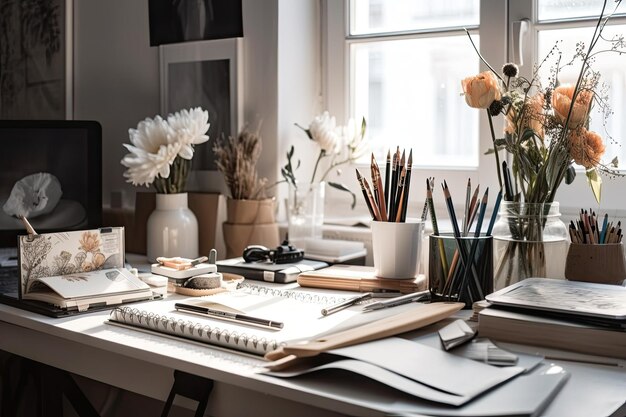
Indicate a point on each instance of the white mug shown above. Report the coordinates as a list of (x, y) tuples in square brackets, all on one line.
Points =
[(397, 249)]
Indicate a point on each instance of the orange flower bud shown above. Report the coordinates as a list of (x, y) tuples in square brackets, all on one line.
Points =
[(481, 90)]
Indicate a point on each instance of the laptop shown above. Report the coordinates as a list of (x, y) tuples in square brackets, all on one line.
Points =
[(51, 171)]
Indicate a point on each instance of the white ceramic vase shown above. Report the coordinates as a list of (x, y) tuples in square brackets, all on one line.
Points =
[(172, 228)]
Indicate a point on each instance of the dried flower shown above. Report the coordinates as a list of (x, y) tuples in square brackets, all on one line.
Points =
[(90, 242), (510, 70), (159, 147), (236, 159), (481, 90)]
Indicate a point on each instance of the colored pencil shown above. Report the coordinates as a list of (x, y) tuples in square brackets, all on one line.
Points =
[(433, 219), (379, 196), (394, 183), (368, 196), (407, 186), (387, 176)]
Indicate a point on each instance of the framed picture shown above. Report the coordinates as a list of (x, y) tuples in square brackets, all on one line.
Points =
[(208, 74), (36, 59)]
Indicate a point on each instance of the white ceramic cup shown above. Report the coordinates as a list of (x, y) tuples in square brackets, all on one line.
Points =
[(397, 249)]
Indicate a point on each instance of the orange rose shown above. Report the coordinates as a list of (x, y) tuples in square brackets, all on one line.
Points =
[(585, 147), (562, 100), (481, 90)]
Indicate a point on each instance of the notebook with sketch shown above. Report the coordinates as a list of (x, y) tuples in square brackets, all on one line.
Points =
[(78, 270), (566, 298)]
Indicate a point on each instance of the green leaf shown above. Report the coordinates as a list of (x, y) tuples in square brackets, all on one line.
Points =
[(342, 187), (491, 151), (595, 181), (615, 162), (570, 174), (527, 134), (363, 127)]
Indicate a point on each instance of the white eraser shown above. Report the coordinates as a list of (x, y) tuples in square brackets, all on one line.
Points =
[(153, 280)]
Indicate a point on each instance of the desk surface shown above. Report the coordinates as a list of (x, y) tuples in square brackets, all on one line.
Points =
[(142, 362)]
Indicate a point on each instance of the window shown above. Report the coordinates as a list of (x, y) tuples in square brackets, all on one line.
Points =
[(399, 63)]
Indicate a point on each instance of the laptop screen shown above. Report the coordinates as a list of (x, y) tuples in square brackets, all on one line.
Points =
[(51, 172)]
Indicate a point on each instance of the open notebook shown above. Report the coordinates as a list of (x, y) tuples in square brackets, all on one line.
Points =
[(299, 311)]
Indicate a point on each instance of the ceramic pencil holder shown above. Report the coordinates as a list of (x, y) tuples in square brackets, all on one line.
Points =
[(599, 263)]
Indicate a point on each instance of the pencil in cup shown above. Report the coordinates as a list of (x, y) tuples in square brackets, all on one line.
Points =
[(451, 286)]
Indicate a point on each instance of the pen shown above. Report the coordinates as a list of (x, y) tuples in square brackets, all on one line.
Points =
[(345, 304), (226, 315), (404, 299)]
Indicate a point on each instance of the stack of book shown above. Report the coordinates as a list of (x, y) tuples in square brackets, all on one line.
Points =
[(576, 316)]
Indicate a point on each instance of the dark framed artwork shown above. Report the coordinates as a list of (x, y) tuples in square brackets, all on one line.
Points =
[(208, 74), (35, 59)]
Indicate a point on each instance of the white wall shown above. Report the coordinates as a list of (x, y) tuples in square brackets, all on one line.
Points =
[(116, 76)]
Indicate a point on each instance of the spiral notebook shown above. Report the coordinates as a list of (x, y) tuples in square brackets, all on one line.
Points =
[(298, 310)]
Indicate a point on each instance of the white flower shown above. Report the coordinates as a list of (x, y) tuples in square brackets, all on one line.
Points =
[(156, 143), (322, 130), (190, 127), (353, 139)]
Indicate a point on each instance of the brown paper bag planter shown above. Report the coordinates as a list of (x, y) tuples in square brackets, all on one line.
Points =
[(599, 263), (249, 222)]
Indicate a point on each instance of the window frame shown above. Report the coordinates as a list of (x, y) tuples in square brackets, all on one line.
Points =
[(496, 46), (336, 92)]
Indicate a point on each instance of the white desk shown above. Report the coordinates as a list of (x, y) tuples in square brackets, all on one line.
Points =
[(143, 363)]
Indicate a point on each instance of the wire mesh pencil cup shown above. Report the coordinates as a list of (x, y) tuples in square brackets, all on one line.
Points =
[(460, 269)]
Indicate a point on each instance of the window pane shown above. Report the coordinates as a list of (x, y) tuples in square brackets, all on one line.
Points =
[(611, 67), (409, 92), (569, 9), (378, 16)]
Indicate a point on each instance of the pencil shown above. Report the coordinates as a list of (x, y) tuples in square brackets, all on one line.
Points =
[(467, 212), (378, 190), (496, 207), (433, 219), (479, 225), (368, 203), (400, 195), (508, 186), (407, 186), (387, 175), (393, 184)]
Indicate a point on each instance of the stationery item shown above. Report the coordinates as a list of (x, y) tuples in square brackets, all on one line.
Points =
[(78, 270), (225, 314), (409, 316), (153, 280), (179, 276), (379, 195), (268, 271), (180, 264), (531, 329), (345, 304), (407, 187), (387, 175), (455, 334), (394, 182), (369, 199), (433, 218), (204, 281), (526, 395), (588, 231), (358, 278), (602, 263), (483, 350), (397, 301), (459, 284), (397, 248), (298, 310), (576, 300)]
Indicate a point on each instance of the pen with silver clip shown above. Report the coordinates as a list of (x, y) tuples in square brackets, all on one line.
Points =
[(404, 299), (345, 304)]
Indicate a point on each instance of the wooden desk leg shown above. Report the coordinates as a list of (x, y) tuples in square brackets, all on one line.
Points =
[(190, 386)]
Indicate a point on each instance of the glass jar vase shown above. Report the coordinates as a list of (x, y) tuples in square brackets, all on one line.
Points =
[(305, 210), (530, 240)]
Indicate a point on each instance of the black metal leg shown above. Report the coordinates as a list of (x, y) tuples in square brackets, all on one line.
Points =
[(189, 386)]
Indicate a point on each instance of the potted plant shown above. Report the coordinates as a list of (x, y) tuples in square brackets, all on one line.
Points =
[(160, 154), (250, 215)]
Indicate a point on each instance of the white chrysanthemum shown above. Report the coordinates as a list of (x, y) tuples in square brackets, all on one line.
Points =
[(322, 131), (190, 127), (153, 150)]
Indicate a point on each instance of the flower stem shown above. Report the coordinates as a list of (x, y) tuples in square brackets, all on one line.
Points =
[(319, 158), (495, 148)]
